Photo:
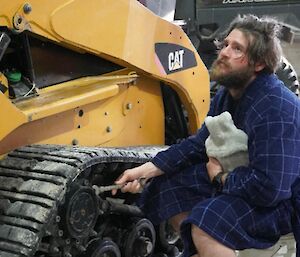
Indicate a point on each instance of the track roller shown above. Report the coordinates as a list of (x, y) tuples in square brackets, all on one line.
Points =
[(102, 248), (140, 240), (81, 212)]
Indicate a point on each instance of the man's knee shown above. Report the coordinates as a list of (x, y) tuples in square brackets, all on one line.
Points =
[(201, 239), (176, 220), (207, 245), (199, 234)]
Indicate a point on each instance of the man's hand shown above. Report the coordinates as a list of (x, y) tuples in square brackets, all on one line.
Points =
[(131, 177), (213, 167)]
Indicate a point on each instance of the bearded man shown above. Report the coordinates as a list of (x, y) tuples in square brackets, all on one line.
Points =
[(252, 205)]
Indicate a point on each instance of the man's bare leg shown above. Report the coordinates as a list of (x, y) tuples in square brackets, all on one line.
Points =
[(207, 246), (176, 220)]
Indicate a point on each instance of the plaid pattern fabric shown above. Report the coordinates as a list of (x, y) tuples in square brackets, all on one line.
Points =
[(169, 195), (250, 211), (235, 223)]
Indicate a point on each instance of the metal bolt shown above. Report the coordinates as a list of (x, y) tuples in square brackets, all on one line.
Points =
[(60, 233), (129, 106), (75, 142), (27, 8), (57, 219), (82, 212), (68, 241), (108, 129)]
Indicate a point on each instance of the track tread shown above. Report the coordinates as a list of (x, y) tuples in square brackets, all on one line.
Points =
[(18, 237), (34, 181), (31, 175), (31, 187), (6, 254)]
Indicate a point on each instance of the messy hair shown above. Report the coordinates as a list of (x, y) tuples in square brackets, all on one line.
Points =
[(262, 34)]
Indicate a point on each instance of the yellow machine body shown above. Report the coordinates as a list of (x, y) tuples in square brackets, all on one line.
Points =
[(87, 90), (123, 107)]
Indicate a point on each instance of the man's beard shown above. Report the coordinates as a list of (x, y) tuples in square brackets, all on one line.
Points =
[(233, 79)]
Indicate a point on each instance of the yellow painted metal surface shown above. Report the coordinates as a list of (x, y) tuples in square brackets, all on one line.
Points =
[(123, 31), (101, 110), (127, 118), (68, 95), (130, 37), (11, 117)]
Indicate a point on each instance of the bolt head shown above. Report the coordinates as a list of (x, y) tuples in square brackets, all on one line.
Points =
[(129, 106), (109, 129), (75, 142), (27, 8)]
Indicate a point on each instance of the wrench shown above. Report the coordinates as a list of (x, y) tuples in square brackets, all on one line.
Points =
[(102, 189)]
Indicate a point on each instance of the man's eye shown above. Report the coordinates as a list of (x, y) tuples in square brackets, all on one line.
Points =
[(237, 49)]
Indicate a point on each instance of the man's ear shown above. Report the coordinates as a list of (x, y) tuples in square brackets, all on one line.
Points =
[(259, 66)]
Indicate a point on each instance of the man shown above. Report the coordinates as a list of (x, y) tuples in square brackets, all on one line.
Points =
[(253, 205)]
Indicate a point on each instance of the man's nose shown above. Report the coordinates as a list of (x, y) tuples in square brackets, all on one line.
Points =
[(225, 51)]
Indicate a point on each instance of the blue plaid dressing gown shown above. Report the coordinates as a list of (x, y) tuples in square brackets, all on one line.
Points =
[(256, 205)]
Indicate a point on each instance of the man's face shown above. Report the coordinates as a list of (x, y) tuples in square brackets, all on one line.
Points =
[(232, 68)]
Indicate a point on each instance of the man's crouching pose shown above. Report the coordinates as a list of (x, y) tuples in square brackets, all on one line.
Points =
[(250, 206)]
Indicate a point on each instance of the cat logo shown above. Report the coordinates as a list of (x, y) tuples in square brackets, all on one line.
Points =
[(175, 60), (172, 58)]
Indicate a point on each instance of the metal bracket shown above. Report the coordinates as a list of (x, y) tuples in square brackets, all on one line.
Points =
[(19, 22)]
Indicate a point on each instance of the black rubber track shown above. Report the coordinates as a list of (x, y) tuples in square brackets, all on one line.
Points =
[(33, 183)]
